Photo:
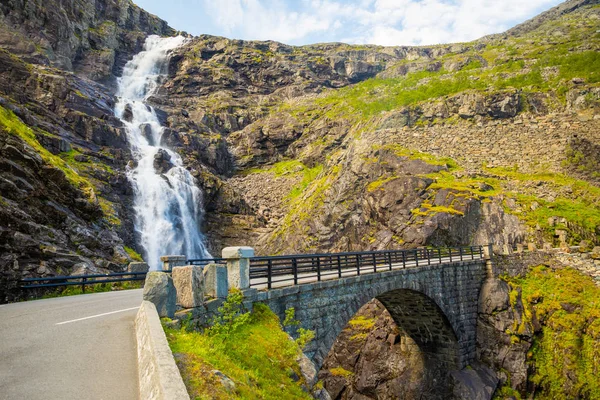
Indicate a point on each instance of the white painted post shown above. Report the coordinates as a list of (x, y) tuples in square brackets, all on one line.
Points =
[(238, 266)]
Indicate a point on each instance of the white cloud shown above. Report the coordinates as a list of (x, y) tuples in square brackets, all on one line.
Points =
[(384, 22)]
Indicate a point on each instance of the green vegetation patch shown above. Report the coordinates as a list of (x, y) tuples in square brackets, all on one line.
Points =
[(581, 207), (14, 126), (565, 354), (256, 354), (134, 255)]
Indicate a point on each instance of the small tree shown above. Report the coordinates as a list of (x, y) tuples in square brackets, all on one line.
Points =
[(232, 316), (304, 336)]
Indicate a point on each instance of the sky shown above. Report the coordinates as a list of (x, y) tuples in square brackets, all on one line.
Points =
[(382, 22)]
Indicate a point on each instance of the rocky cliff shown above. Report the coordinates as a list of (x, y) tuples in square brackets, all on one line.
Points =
[(473, 143), (65, 205), (312, 148), (93, 38)]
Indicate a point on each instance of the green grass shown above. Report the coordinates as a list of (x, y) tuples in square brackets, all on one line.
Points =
[(374, 96), (291, 168), (258, 356), (582, 207), (565, 354), (134, 255)]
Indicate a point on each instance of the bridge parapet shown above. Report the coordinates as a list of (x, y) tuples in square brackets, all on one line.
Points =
[(431, 293)]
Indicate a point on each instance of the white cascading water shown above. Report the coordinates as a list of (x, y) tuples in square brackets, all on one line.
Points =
[(168, 205)]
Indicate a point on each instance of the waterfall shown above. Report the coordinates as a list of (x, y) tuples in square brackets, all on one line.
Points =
[(167, 204)]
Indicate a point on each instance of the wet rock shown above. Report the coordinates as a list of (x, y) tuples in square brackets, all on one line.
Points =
[(162, 161), (128, 113), (146, 130)]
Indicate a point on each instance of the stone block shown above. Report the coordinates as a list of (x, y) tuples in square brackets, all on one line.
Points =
[(137, 267), (238, 266), (215, 281), (189, 285), (169, 262), (160, 291), (237, 252)]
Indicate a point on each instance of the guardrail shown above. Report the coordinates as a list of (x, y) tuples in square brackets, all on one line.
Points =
[(274, 270), (80, 280), (85, 280), (205, 261)]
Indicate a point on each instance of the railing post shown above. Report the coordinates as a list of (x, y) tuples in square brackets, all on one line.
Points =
[(295, 270), (339, 262), (374, 263), (416, 257), (480, 251), (238, 266), (403, 258), (390, 260), (83, 280), (472, 253), (440, 254), (450, 252), (269, 273), (460, 251), (318, 269), (428, 257), (357, 264)]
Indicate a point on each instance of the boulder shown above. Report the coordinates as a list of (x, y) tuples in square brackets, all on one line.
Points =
[(162, 161), (160, 291), (128, 113), (137, 267), (307, 369), (476, 383), (189, 285), (585, 246)]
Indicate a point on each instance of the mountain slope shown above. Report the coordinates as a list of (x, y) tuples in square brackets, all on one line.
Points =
[(490, 141), (312, 148)]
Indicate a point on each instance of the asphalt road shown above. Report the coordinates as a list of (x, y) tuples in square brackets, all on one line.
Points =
[(77, 347)]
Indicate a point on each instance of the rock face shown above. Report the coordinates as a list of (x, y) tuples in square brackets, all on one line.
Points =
[(498, 317), (93, 38), (434, 164), (373, 359), (65, 196)]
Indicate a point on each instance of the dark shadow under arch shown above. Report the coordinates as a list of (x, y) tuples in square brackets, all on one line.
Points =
[(423, 320)]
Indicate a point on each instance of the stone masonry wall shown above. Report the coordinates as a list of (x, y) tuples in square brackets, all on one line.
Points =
[(326, 307)]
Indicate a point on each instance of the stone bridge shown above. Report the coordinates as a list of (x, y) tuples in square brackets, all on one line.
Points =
[(435, 304)]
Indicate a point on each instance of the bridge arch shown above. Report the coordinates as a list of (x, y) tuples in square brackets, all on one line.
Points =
[(436, 305)]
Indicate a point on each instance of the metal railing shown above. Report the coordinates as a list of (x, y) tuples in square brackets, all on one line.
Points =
[(206, 261), (85, 280), (80, 280), (294, 269)]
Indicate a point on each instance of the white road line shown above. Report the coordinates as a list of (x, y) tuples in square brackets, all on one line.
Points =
[(97, 315)]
